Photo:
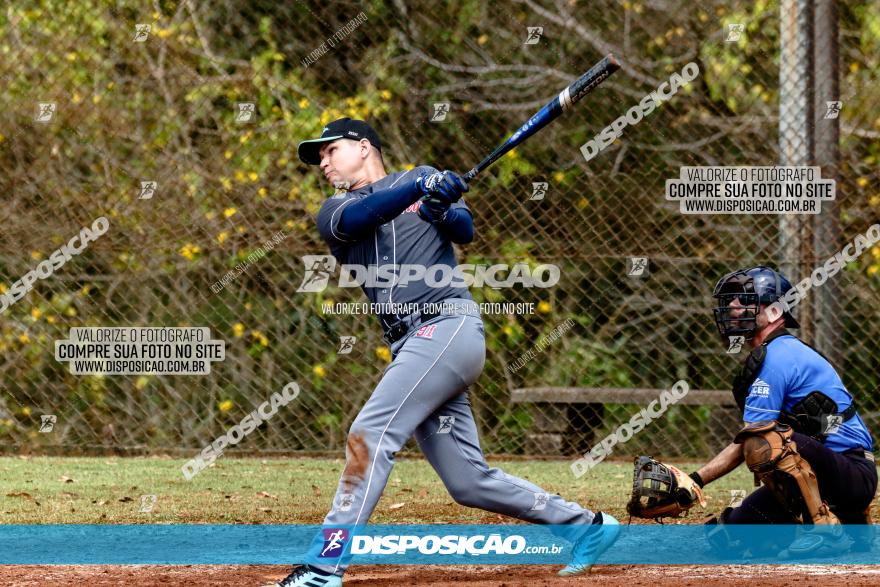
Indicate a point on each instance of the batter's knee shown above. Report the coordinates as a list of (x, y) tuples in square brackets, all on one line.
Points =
[(357, 457), (463, 489), (466, 497)]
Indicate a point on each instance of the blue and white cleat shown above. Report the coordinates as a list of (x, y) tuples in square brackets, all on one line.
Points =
[(598, 538), (825, 540), (304, 576)]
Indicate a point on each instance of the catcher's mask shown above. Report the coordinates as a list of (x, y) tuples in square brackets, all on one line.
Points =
[(753, 287)]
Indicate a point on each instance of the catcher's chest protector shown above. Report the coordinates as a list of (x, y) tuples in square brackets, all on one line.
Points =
[(752, 366)]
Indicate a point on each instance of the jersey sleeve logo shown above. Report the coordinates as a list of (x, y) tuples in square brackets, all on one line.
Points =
[(414, 207), (759, 389)]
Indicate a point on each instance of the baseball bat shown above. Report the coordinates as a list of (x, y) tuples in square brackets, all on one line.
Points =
[(550, 112)]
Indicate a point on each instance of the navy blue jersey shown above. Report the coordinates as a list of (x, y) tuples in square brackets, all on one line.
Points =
[(790, 372), (405, 240)]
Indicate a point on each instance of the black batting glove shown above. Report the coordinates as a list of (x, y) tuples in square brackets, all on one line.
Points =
[(433, 210), (446, 186)]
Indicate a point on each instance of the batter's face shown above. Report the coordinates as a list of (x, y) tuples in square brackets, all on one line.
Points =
[(342, 161)]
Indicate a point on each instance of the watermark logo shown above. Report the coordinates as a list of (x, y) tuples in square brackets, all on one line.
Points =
[(533, 35), (45, 112), (245, 112), (627, 430), (539, 347), (237, 433), (334, 542), (346, 344), (832, 424), (76, 245), (446, 423), (832, 109), (47, 422), (637, 266), (141, 32), (345, 502), (735, 344), (541, 500), (147, 503), (148, 188), (336, 37), (245, 265), (139, 350), (471, 545), (319, 268), (734, 32), (665, 91), (440, 111), (736, 497), (832, 266), (407, 308), (750, 190), (539, 190)]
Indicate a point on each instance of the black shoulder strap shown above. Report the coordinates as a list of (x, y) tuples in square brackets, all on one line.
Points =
[(751, 367), (776, 334)]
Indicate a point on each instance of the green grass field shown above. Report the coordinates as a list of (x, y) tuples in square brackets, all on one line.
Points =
[(108, 490)]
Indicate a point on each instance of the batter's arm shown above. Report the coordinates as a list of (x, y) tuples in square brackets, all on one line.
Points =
[(458, 226), (723, 463), (363, 216)]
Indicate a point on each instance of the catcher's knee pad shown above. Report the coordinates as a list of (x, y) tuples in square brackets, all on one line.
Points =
[(772, 456)]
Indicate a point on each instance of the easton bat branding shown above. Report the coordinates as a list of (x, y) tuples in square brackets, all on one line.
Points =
[(665, 91), (589, 87), (608, 66)]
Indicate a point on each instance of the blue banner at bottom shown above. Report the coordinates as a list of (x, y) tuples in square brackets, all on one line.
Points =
[(425, 544)]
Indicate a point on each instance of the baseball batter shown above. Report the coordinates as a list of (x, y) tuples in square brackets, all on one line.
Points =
[(437, 351)]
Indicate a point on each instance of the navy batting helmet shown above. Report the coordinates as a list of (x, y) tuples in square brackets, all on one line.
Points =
[(752, 286)]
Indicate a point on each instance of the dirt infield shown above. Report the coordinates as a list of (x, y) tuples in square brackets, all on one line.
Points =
[(106, 491), (472, 576)]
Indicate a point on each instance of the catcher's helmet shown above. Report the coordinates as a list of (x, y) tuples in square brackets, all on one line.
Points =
[(753, 286)]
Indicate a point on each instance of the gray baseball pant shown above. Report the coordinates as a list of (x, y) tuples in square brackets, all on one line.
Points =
[(424, 385)]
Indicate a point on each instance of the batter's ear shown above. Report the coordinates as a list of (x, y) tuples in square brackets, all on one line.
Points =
[(365, 148)]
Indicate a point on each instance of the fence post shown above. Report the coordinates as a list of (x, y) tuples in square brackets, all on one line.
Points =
[(827, 232), (796, 139)]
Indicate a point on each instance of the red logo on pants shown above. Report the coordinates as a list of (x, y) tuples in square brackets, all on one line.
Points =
[(426, 331)]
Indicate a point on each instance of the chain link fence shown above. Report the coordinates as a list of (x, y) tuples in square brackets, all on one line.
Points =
[(178, 123)]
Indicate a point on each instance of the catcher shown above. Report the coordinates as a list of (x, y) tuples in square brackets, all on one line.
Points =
[(802, 435)]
